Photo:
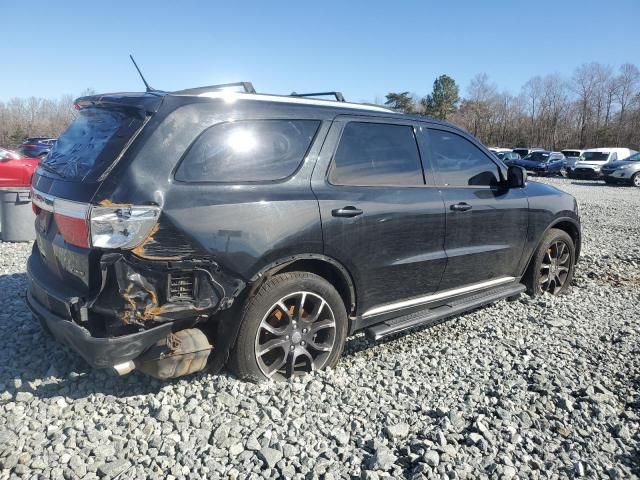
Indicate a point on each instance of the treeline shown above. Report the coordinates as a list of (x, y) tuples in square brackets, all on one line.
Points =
[(597, 106), (34, 117)]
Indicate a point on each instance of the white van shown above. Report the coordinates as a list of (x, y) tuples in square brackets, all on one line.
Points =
[(592, 160)]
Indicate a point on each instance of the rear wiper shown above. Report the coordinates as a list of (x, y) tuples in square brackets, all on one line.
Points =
[(48, 168)]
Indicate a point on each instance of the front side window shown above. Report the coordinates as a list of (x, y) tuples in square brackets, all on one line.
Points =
[(372, 154), (248, 151), (459, 162)]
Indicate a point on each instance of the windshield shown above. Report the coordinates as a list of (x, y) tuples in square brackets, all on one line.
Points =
[(633, 158), (595, 156), (8, 155), (91, 143), (571, 153), (521, 151), (537, 157)]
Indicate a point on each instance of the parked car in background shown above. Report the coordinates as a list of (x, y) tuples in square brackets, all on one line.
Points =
[(269, 239), (572, 156), (508, 157), (36, 147), (499, 149), (592, 160), (523, 152), (543, 162), (15, 169), (626, 171)]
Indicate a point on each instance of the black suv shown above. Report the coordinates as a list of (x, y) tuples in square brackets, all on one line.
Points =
[(211, 227)]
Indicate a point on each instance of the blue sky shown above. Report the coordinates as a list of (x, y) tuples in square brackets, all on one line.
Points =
[(363, 48)]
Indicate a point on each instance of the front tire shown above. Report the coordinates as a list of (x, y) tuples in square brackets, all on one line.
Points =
[(635, 180), (552, 266), (294, 324)]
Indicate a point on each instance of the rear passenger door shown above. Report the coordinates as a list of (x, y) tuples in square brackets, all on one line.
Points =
[(486, 223), (379, 217)]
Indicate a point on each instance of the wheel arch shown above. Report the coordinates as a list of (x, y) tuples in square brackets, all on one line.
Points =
[(326, 267), (567, 224)]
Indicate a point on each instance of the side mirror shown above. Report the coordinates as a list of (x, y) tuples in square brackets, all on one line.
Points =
[(516, 177)]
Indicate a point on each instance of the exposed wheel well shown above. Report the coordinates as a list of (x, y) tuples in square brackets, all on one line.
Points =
[(326, 270), (571, 229), (573, 232)]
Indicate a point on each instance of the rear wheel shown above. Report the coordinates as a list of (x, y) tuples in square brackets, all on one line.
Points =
[(551, 269), (563, 172), (635, 180), (296, 323)]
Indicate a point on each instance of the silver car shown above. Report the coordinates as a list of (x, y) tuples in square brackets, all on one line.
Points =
[(623, 171)]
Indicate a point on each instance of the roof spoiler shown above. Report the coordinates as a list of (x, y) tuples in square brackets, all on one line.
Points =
[(247, 86)]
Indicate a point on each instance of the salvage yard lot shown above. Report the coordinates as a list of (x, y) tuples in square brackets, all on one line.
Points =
[(544, 388)]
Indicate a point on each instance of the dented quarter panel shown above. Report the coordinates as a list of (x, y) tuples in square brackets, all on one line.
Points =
[(240, 227)]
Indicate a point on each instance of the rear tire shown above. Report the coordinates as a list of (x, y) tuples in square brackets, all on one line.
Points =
[(294, 324), (635, 180), (552, 266)]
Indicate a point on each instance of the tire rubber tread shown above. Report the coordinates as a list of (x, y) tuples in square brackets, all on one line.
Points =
[(242, 361), (533, 272)]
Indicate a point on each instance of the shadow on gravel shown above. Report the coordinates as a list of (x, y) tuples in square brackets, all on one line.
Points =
[(32, 361), (589, 184)]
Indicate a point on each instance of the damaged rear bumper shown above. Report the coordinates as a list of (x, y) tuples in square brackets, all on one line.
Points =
[(128, 314), (98, 352)]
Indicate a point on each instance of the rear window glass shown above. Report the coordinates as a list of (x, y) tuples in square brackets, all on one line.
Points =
[(91, 143), (248, 151)]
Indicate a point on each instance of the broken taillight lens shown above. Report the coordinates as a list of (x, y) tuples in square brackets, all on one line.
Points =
[(85, 225), (121, 226)]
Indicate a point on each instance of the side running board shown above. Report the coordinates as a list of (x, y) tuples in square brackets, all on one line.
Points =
[(433, 316)]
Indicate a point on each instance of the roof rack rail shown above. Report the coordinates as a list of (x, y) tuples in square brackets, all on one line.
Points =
[(248, 88), (338, 95)]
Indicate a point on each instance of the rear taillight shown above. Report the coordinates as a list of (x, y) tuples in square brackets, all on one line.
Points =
[(84, 225), (122, 226), (71, 219)]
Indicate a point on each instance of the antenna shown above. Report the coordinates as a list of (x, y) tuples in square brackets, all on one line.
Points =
[(149, 89)]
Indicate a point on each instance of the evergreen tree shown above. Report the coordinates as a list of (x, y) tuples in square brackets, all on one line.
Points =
[(443, 100), (400, 101)]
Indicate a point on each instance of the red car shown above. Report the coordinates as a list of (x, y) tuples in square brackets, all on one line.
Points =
[(16, 170)]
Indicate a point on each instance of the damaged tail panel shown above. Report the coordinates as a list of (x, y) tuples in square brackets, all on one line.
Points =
[(139, 293)]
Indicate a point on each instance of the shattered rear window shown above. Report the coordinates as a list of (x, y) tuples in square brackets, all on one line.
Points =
[(92, 142)]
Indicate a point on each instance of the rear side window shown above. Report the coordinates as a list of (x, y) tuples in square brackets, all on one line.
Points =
[(459, 162), (92, 142), (372, 154), (248, 151)]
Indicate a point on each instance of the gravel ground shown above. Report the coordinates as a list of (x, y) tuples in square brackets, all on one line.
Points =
[(524, 389)]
